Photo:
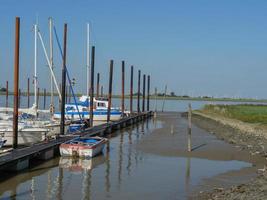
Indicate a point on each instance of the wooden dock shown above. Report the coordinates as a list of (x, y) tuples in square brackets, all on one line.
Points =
[(19, 159)]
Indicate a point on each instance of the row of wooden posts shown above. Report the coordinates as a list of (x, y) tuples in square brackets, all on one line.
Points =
[(17, 92)]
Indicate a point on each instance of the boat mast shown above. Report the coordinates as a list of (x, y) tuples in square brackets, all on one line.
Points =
[(35, 65), (52, 64), (49, 65), (88, 59)]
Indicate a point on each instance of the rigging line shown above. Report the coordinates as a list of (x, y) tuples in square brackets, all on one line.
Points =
[(72, 91)]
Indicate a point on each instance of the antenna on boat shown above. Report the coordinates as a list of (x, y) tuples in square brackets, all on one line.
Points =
[(88, 59), (35, 64), (52, 64)]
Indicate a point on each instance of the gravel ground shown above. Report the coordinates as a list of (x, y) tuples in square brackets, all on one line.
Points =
[(249, 139)]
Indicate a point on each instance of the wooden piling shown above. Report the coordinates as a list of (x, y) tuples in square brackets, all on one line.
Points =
[(92, 86), (28, 93), (131, 91), (16, 84), (138, 92), (122, 85), (97, 85), (63, 89), (144, 93), (6, 95), (44, 98), (110, 89), (189, 143), (148, 93)]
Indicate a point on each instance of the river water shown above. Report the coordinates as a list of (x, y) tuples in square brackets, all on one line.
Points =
[(123, 171), (159, 104)]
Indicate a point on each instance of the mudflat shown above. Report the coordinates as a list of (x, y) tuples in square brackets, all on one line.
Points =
[(171, 141)]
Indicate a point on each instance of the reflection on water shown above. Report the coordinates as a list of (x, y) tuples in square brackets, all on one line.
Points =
[(122, 171)]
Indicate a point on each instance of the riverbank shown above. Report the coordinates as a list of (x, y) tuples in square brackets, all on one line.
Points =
[(187, 98), (171, 141), (247, 137)]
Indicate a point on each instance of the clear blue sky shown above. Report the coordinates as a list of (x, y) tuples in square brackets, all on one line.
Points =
[(196, 47)]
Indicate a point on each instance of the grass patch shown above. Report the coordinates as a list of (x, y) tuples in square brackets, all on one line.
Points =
[(244, 112)]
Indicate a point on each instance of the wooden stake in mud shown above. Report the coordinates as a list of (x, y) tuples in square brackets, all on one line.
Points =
[(63, 89), (28, 92), (110, 89), (92, 86), (16, 84), (131, 91), (144, 93), (44, 98), (122, 85), (97, 85), (6, 94), (148, 92), (138, 92), (189, 144)]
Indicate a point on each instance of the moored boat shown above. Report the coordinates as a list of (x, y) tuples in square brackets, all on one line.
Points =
[(87, 147)]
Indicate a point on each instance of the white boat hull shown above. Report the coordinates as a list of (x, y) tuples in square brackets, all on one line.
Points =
[(86, 116), (76, 149), (25, 137)]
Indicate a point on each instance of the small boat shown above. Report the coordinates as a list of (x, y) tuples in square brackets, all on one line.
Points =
[(83, 147)]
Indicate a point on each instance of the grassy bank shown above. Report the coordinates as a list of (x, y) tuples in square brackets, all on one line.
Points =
[(245, 112)]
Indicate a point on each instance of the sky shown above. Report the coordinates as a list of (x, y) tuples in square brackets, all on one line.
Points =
[(195, 47)]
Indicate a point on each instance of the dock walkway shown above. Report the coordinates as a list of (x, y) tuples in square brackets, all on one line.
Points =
[(19, 159)]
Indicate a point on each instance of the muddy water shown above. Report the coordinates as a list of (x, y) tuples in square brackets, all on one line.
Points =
[(147, 161)]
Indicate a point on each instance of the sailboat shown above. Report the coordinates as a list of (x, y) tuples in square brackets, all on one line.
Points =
[(80, 109)]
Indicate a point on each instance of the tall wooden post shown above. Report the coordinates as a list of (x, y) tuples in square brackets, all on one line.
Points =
[(189, 143), (144, 93), (44, 98), (110, 89), (16, 84), (28, 92), (6, 95), (131, 91), (138, 92), (97, 85), (92, 86), (148, 92), (122, 85), (63, 89)]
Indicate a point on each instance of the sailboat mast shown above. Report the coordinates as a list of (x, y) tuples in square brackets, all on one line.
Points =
[(35, 64), (87, 59), (51, 62)]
